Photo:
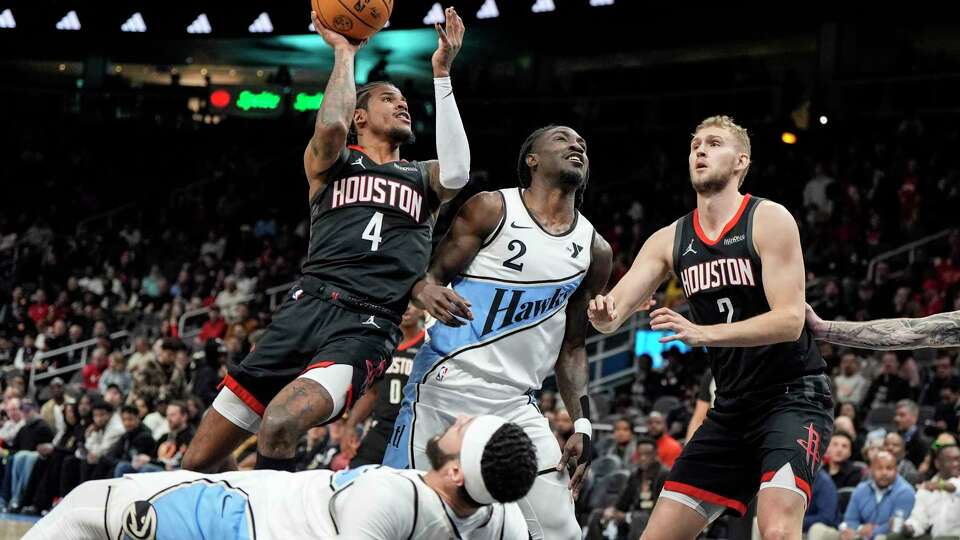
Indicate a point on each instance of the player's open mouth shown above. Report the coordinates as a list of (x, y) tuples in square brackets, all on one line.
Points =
[(576, 159), (403, 116)]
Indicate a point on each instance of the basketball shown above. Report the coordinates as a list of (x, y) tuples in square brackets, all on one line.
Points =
[(356, 19)]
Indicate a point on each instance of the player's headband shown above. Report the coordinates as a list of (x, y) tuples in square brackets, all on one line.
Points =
[(475, 440)]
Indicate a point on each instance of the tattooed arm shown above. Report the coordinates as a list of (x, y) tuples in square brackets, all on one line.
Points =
[(939, 330), (336, 112)]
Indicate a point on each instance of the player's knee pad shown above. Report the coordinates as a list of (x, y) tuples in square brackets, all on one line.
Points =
[(337, 381), (231, 407)]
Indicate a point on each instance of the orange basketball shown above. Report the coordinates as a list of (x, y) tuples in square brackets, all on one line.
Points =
[(356, 19)]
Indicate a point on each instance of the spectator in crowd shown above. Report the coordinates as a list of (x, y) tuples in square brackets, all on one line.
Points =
[(23, 454), (668, 449), (207, 377), (153, 416), (936, 513), (174, 444), (888, 387), (161, 379), (135, 449), (893, 443), (850, 385), (24, 358), (839, 466), (142, 355), (562, 426), (823, 504), (314, 451), (874, 504), (905, 418), (45, 484), (928, 469), (52, 410), (637, 499), (943, 376), (13, 423), (102, 434), (847, 423), (74, 336), (623, 444), (94, 369), (215, 327), (116, 375), (114, 397), (946, 417), (548, 402)]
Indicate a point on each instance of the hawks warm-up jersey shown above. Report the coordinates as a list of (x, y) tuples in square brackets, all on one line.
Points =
[(518, 286), (722, 280), (390, 387), (371, 228)]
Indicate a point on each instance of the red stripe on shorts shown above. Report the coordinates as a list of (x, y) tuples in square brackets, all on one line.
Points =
[(705, 495), (243, 394)]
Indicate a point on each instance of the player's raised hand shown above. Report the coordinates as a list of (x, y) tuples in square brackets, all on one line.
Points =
[(334, 39), (683, 330), (573, 454), (444, 304), (449, 41)]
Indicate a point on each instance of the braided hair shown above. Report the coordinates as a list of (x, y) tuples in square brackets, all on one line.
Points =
[(524, 176), (363, 99)]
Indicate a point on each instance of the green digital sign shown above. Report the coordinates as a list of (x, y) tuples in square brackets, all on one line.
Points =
[(264, 101), (308, 102)]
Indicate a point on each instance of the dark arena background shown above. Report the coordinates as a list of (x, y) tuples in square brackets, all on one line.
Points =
[(151, 167)]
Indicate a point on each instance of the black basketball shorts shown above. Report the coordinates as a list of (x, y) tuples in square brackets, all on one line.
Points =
[(308, 333), (374, 445), (745, 441)]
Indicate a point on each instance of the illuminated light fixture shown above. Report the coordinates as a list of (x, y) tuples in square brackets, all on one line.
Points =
[(308, 102), (200, 25), (823, 120), (134, 24), (70, 21), (788, 138), (596, 3), (220, 98), (262, 25), (258, 100), (7, 20), (488, 10), (543, 6), (435, 15)]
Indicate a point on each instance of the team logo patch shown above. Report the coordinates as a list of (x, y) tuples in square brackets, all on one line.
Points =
[(812, 446), (342, 23), (139, 521)]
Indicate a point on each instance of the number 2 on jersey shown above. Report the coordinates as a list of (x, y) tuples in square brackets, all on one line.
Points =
[(372, 232), (726, 303)]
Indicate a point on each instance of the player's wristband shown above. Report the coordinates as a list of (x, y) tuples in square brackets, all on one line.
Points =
[(583, 425)]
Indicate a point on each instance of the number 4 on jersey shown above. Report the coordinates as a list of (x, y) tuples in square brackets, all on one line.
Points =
[(372, 232)]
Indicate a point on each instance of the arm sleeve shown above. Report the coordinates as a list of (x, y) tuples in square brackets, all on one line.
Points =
[(375, 507), (453, 150)]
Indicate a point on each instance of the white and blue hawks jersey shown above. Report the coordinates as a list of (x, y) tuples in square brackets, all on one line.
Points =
[(518, 286)]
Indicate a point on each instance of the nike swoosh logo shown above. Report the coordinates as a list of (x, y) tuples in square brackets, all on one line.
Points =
[(515, 226)]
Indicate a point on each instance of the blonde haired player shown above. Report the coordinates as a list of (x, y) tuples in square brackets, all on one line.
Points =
[(739, 261)]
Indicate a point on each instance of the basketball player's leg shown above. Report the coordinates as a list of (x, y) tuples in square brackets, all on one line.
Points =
[(792, 441), (672, 520), (548, 507), (218, 435)]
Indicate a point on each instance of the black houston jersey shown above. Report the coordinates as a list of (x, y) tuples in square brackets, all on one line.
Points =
[(371, 227), (390, 387), (722, 280)]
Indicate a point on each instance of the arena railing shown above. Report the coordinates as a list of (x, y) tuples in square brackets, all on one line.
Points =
[(276, 293), (84, 347), (909, 249)]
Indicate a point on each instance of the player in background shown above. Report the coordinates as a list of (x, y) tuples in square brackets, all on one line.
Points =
[(740, 263)]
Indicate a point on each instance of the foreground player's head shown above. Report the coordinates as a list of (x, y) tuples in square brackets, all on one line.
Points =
[(484, 459), (555, 154), (381, 115), (719, 155)]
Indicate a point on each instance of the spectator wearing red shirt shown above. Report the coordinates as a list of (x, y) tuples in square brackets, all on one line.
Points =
[(668, 449), (215, 327), (39, 310), (94, 369)]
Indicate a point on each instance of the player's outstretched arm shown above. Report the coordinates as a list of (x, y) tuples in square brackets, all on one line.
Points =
[(650, 268), (937, 330), (475, 222), (450, 172), (572, 370), (777, 240), (336, 111), (361, 410)]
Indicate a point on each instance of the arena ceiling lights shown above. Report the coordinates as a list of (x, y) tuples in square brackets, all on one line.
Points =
[(7, 20)]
